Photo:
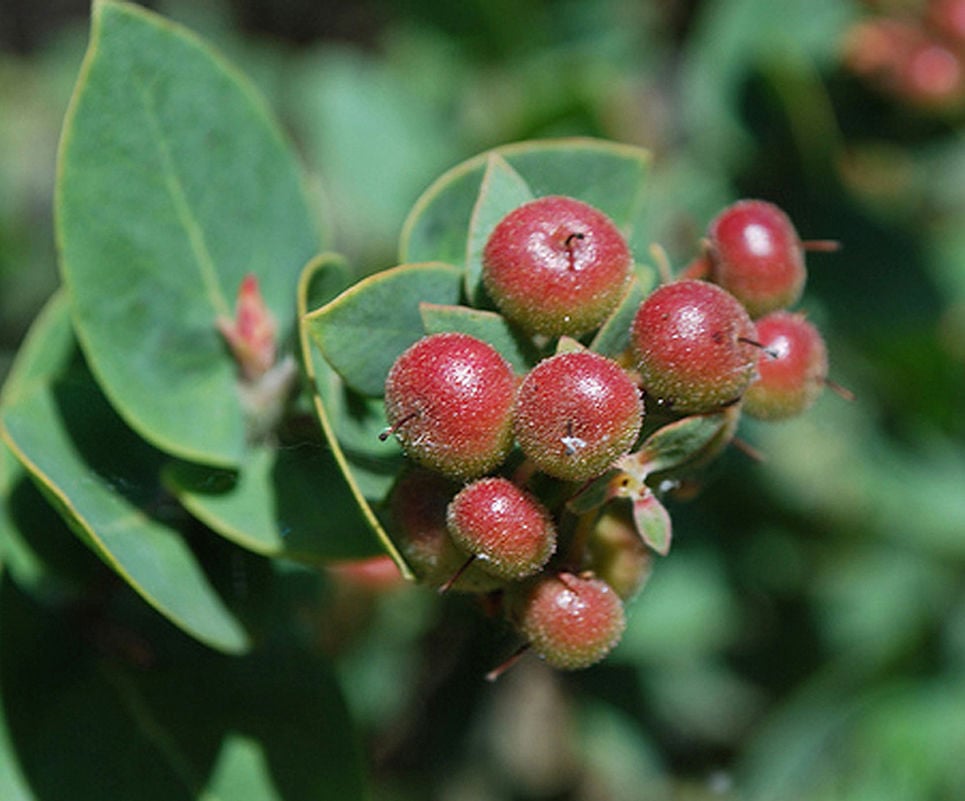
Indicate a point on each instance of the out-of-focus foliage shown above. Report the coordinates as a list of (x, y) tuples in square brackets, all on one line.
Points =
[(805, 639)]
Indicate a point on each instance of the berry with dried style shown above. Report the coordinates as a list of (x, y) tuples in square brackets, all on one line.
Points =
[(571, 621), (510, 533), (695, 347), (449, 400), (556, 266), (792, 367), (757, 256), (417, 507), (576, 413)]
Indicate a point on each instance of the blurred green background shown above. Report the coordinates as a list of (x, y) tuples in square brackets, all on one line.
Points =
[(805, 639)]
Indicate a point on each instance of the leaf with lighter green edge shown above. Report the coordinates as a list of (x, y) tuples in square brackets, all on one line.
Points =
[(674, 444), (652, 522), (502, 189), (514, 345), (365, 476), (363, 330), (174, 182), (613, 338), (104, 480), (612, 177), (274, 505), (597, 492)]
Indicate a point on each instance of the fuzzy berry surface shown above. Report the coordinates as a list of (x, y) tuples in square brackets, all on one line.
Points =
[(417, 506), (757, 256), (694, 346), (571, 621), (792, 367), (556, 266), (449, 400), (511, 533), (576, 413)]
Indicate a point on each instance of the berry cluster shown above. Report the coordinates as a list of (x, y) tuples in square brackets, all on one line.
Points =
[(519, 483), (916, 54)]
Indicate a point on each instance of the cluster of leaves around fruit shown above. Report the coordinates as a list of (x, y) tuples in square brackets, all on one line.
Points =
[(548, 398)]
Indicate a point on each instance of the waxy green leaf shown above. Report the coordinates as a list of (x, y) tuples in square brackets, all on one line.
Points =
[(363, 331), (174, 183)]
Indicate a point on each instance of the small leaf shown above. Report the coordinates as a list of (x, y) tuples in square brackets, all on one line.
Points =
[(613, 338), (674, 444), (361, 474), (502, 190), (610, 176), (363, 330), (174, 183), (515, 346), (653, 522), (597, 492)]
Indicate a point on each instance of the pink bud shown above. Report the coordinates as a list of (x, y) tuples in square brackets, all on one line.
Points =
[(252, 334)]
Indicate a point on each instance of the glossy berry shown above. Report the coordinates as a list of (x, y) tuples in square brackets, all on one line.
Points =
[(694, 346), (510, 533), (417, 507), (571, 621), (617, 554), (792, 367), (576, 413), (449, 400), (556, 266), (757, 256)]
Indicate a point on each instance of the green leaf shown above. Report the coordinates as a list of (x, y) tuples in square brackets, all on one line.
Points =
[(279, 503), (104, 481), (367, 477), (653, 522), (613, 338), (502, 190), (675, 444), (173, 184), (609, 176), (515, 346), (363, 330)]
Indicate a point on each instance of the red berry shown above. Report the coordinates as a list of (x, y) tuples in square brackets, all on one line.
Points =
[(694, 346), (449, 401), (792, 367), (556, 266), (510, 533), (757, 256), (571, 621), (417, 507), (576, 413)]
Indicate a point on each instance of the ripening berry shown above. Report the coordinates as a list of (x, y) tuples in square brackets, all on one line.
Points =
[(792, 367), (694, 344), (757, 256), (417, 507), (509, 531), (617, 554), (571, 621), (449, 400), (576, 413), (556, 266)]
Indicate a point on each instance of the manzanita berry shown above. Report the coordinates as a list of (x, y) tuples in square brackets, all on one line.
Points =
[(576, 413), (572, 621), (511, 533), (449, 400), (695, 346), (616, 553), (417, 507), (556, 266), (757, 256), (792, 367)]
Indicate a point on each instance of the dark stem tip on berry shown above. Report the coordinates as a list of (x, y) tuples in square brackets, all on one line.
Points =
[(821, 245), (457, 575), (501, 668)]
